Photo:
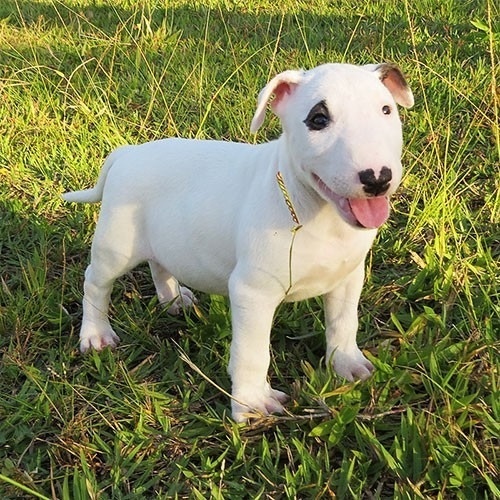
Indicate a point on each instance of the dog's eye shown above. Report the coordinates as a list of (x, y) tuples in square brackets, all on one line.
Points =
[(318, 118), (319, 121), (386, 110)]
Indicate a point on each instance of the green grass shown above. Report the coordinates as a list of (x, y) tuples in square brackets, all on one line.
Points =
[(80, 77)]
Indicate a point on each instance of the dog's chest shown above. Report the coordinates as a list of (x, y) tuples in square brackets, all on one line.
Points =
[(320, 261)]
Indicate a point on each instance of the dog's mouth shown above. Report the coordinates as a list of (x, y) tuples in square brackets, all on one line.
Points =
[(369, 213)]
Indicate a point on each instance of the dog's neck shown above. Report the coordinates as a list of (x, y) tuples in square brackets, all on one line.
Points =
[(302, 200)]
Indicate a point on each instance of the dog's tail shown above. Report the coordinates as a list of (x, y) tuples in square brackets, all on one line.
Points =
[(94, 194)]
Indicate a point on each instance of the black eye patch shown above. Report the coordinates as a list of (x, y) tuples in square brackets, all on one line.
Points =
[(319, 117)]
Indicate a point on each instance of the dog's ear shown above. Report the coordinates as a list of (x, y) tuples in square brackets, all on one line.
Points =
[(392, 77), (281, 86)]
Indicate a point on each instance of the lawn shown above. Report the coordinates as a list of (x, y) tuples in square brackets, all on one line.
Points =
[(150, 419)]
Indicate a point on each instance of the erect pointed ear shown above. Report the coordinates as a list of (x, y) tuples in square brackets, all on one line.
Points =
[(392, 77), (281, 86)]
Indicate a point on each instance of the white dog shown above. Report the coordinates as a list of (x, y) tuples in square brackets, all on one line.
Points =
[(213, 216)]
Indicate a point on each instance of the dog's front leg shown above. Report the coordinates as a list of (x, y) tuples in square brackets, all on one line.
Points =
[(341, 314), (252, 312)]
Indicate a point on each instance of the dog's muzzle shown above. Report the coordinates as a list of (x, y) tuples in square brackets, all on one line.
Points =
[(370, 212)]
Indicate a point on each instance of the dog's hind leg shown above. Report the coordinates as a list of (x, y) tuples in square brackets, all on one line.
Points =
[(169, 290), (96, 332), (116, 249)]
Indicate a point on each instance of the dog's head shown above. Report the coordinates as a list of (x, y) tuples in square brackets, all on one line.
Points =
[(343, 133)]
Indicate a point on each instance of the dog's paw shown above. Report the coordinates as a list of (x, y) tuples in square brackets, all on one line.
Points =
[(352, 364), (184, 300), (97, 337), (250, 402)]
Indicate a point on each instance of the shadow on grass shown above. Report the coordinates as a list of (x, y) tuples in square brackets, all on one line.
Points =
[(360, 28)]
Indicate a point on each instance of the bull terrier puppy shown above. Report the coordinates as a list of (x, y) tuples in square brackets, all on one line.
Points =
[(217, 217)]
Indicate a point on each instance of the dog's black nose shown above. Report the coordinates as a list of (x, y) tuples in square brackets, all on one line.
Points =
[(373, 185)]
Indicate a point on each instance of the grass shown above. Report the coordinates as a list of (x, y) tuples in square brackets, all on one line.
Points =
[(80, 77)]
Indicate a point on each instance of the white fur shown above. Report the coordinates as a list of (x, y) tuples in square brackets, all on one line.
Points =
[(210, 215)]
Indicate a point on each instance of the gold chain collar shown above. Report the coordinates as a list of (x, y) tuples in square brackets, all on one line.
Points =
[(288, 201)]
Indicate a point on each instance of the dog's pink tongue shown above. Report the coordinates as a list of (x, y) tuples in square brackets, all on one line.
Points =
[(370, 212)]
